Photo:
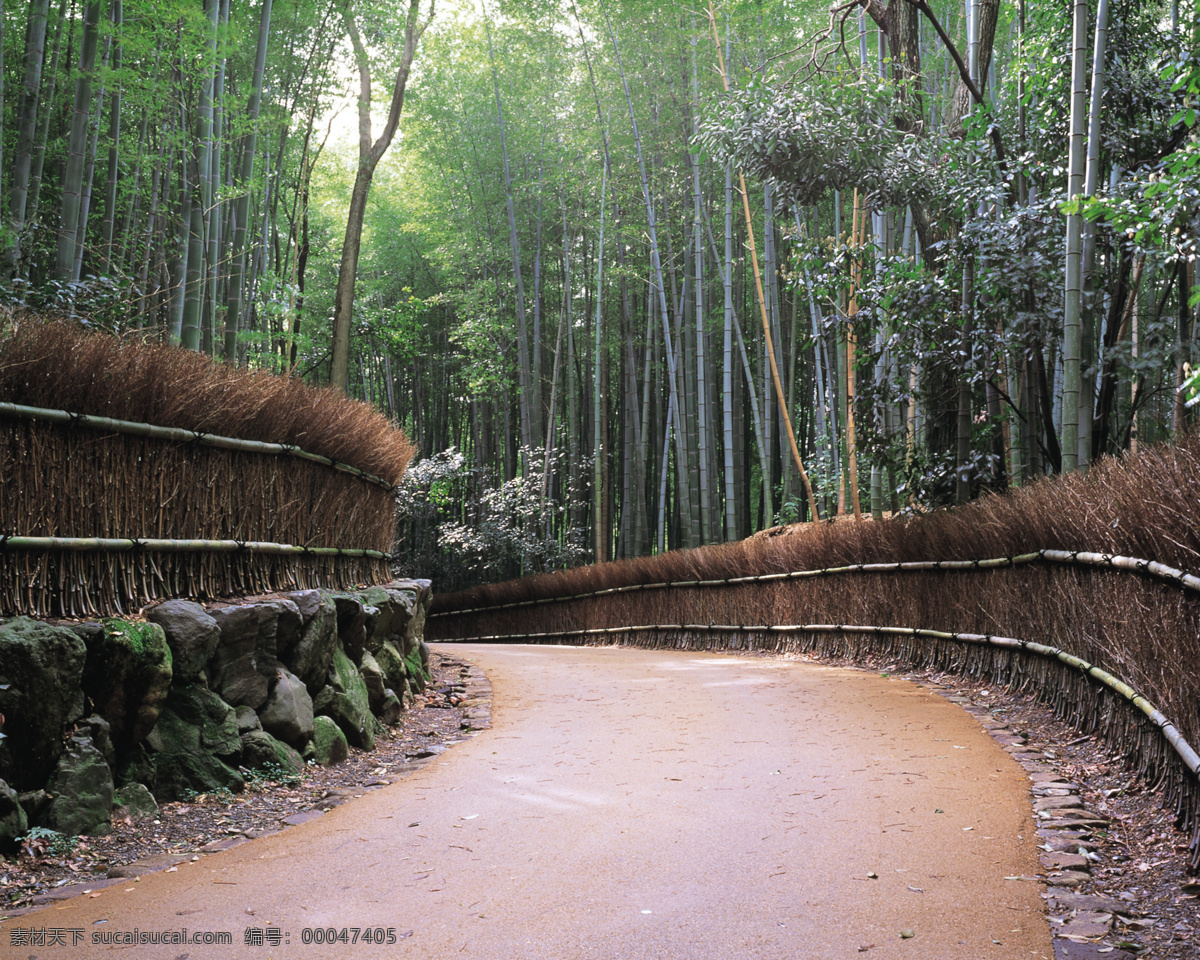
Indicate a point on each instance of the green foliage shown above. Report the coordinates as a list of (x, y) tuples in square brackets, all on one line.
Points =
[(459, 526), (415, 668), (1155, 206), (832, 132), (266, 774), (41, 842)]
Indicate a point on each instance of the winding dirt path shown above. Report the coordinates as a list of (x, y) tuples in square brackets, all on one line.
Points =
[(635, 804)]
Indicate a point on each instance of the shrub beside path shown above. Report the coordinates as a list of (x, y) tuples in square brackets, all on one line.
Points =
[(631, 803)]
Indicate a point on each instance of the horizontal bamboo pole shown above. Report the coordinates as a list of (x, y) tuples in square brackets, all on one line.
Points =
[(1114, 561), (17, 411), (1168, 730), (123, 545)]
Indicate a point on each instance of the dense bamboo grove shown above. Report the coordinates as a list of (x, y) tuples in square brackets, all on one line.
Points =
[(597, 332), (597, 288)]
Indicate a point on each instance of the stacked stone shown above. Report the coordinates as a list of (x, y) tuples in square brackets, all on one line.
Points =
[(121, 714), (473, 693)]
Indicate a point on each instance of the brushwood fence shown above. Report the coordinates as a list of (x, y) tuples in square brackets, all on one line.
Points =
[(101, 516), (988, 618)]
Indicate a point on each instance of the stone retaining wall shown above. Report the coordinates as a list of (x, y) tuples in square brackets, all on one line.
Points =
[(102, 715)]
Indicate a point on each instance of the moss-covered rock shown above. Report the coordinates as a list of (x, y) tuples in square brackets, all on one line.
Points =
[(328, 744), (191, 634), (194, 743), (261, 751), (253, 638), (418, 676), (309, 658), (137, 766), (135, 801), (422, 596), (194, 718), (344, 698), (288, 712), (82, 791), (392, 664), (181, 775), (41, 671), (393, 610), (127, 676), (374, 680), (247, 719), (13, 822), (351, 624)]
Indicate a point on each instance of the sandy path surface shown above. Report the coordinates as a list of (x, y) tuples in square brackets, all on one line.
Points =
[(634, 804)]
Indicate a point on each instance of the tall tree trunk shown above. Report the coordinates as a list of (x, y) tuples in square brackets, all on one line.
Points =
[(727, 374), (369, 155), (1087, 385), (114, 146), (962, 450), (702, 408), (523, 366), (27, 114), (241, 208), (599, 451), (213, 207), (46, 110), (1072, 300), (89, 176), (72, 182), (198, 253)]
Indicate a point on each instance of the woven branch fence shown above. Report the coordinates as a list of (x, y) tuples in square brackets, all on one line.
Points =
[(132, 472), (100, 516)]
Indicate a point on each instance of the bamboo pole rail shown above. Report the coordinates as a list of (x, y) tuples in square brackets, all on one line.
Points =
[(132, 428), (1151, 568), (127, 544)]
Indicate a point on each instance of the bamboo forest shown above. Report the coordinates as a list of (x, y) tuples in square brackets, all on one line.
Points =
[(634, 275)]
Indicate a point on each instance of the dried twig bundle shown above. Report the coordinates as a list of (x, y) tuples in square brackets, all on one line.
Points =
[(67, 480)]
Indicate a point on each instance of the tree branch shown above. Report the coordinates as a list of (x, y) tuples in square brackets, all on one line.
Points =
[(963, 73)]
